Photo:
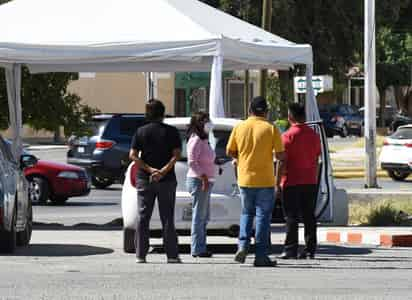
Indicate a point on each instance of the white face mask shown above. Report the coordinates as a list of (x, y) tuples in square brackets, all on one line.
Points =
[(208, 127)]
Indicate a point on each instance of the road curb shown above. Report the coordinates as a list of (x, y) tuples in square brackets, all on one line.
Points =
[(366, 238)]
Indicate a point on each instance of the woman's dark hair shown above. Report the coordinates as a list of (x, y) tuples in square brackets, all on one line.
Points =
[(155, 110), (197, 123)]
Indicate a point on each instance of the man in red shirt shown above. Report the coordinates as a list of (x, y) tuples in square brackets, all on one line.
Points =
[(299, 182)]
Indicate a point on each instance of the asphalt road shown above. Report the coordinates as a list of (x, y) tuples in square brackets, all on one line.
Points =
[(91, 265)]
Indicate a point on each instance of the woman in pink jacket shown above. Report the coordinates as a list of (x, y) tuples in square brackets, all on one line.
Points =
[(200, 178)]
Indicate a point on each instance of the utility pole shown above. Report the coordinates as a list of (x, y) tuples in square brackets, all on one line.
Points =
[(246, 90), (370, 95), (246, 93), (266, 25)]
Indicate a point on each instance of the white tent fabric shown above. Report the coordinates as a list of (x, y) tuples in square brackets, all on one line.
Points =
[(130, 36), (137, 36)]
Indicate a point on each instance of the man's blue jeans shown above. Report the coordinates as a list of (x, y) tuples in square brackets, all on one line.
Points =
[(257, 202), (200, 214)]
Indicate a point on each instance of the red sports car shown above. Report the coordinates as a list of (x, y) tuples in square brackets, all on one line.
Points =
[(56, 181)]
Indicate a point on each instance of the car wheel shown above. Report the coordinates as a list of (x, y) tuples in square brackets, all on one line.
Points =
[(23, 237), (398, 175), (38, 190), (101, 182), (8, 238), (58, 200), (344, 132), (128, 240)]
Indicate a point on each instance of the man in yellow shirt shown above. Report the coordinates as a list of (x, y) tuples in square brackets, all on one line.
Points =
[(254, 143)]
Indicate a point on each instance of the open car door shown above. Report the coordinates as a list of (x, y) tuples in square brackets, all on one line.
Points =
[(324, 211)]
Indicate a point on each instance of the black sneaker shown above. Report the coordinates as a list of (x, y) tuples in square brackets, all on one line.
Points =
[(176, 260), (264, 262), (204, 254), (306, 254), (240, 256), (286, 255), (140, 260)]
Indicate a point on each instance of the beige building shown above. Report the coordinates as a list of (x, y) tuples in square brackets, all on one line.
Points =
[(126, 93), (122, 92)]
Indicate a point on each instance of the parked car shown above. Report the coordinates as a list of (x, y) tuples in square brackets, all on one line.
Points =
[(400, 119), (105, 153), (396, 154), (225, 200), (56, 181), (16, 213), (341, 119), (389, 115)]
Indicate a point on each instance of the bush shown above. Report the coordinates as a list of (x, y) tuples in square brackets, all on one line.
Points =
[(384, 215), (381, 213), (282, 124)]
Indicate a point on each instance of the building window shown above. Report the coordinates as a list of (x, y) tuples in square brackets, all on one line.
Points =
[(234, 104)]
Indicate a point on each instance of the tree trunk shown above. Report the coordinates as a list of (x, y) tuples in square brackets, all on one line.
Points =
[(56, 136), (285, 91), (382, 103), (401, 96)]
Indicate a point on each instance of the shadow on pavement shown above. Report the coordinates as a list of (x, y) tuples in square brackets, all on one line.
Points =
[(61, 250), (110, 188), (276, 249)]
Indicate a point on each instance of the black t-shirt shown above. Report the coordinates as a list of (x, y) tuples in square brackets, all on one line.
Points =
[(156, 141)]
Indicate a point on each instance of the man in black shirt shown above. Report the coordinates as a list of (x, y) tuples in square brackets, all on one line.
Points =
[(155, 148)]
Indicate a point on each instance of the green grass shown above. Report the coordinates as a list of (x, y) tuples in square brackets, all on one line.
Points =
[(381, 213), (360, 143)]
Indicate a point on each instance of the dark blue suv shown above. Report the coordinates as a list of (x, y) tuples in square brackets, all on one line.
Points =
[(341, 119), (105, 154)]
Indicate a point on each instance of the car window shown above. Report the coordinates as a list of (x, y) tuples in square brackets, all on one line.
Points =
[(129, 125), (96, 127), (403, 134), (183, 138), (350, 110), (334, 109), (218, 140)]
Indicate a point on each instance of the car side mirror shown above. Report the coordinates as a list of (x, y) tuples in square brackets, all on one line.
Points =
[(27, 161)]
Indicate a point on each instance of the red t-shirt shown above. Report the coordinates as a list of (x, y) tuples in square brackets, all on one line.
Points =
[(302, 149)]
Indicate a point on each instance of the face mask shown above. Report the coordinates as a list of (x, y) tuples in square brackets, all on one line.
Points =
[(208, 127)]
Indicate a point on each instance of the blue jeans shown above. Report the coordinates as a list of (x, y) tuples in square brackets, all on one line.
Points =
[(257, 202), (200, 214)]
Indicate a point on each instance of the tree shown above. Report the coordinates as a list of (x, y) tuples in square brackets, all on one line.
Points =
[(394, 62), (46, 103)]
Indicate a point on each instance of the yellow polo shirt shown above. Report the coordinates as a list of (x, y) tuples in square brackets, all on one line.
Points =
[(255, 140)]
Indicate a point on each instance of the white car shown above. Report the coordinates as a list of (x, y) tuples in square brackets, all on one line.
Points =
[(225, 204), (396, 154)]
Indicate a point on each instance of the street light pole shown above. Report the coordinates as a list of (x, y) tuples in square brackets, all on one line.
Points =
[(266, 25), (370, 95)]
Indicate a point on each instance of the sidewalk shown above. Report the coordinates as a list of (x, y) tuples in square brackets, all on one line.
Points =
[(353, 235)]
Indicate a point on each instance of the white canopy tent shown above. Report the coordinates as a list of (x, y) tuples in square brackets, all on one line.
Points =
[(142, 36), (130, 36)]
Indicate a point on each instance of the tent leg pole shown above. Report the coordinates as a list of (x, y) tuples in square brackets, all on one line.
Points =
[(13, 79), (216, 108)]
